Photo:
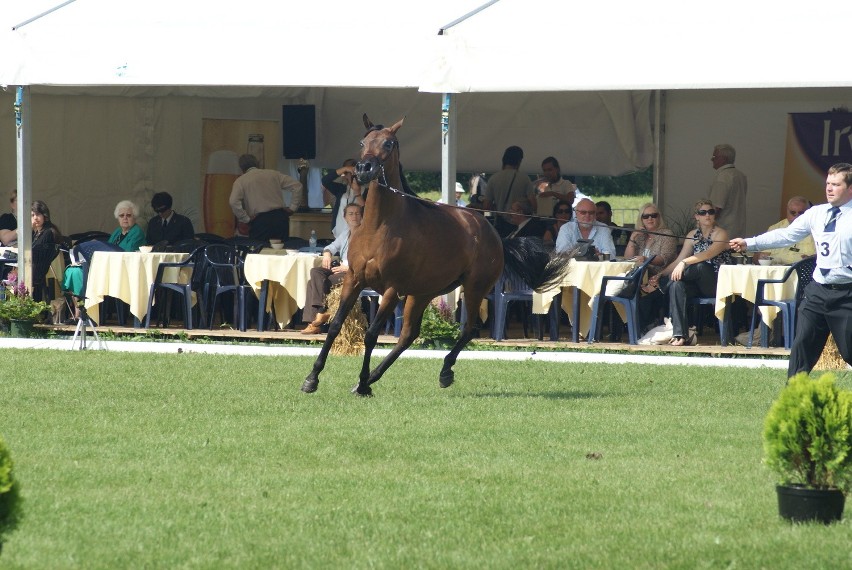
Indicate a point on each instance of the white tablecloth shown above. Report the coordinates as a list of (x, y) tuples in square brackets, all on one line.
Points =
[(586, 277), (128, 276), (741, 280), (288, 276)]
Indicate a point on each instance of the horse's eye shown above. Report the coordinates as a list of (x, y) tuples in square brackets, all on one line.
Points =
[(388, 145), (362, 144)]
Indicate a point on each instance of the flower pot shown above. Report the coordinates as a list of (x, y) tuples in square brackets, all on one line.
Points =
[(21, 328), (800, 504)]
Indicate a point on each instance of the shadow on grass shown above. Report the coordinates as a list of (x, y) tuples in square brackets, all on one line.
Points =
[(547, 395)]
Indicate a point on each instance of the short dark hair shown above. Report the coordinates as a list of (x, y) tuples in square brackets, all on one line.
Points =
[(161, 201), (605, 205), (513, 156), (551, 160), (248, 161)]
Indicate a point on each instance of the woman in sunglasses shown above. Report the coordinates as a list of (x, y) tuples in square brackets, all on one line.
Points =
[(562, 212), (695, 271), (654, 238)]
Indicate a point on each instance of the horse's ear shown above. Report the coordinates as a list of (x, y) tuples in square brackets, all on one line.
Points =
[(368, 124), (396, 127)]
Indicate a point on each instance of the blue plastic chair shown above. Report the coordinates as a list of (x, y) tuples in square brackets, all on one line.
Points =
[(805, 272), (631, 304)]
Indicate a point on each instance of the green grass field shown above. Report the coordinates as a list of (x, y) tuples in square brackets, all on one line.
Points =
[(200, 461)]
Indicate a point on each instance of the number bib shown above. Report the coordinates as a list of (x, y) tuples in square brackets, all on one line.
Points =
[(828, 250)]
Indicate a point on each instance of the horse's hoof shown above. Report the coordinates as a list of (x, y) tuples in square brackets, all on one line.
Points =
[(310, 385), (367, 392), (447, 379)]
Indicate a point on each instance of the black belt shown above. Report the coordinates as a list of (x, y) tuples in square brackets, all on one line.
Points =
[(837, 286)]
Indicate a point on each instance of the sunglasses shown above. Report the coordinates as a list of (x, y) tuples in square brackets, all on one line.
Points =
[(161, 209), (653, 216), (710, 212), (795, 213), (563, 211)]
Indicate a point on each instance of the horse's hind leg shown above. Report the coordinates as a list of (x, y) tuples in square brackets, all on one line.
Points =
[(371, 336), (412, 318), (447, 376), (348, 296)]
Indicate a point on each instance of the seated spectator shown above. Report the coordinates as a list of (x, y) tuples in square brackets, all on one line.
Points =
[(9, 223), (168, 226), (562, 211), (584, 227), (525, 224), (695, 271), (46, 237), (603, 214), (330, 273), (796, 206), (128, 236), (653, 239)]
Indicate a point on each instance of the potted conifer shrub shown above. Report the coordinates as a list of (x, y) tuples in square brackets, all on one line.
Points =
[(807, 441), (10, 499)]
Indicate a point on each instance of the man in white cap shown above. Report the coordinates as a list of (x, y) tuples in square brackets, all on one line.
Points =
[(459, 193)]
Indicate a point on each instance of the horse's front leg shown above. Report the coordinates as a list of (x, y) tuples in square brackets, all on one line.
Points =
[(348, 296), (412, 318), (371, 337)]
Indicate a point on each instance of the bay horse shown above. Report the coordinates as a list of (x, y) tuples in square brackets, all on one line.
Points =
[(413, 249)]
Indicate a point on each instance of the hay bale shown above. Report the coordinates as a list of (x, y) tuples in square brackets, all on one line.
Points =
[(830, 358), (350, 341)]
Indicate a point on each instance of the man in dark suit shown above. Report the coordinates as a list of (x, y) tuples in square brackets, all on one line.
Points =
[(168, 226)]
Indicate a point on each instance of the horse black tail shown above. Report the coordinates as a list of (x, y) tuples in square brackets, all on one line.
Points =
[(536, 265)]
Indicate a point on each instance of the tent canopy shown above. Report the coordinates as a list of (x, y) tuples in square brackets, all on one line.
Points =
[(532, 45)]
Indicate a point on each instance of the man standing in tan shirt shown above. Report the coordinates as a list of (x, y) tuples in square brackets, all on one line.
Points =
[(257, 200)]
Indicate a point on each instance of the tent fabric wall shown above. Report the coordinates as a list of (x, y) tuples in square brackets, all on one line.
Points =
[(91, 151), (754, 121)]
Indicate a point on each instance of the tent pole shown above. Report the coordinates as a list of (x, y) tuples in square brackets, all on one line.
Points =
[(24, 181), (659, 190), (448, 150)]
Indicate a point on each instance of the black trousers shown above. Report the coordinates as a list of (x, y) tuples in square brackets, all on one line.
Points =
[(699, 280), (823, 310), (274, 224)]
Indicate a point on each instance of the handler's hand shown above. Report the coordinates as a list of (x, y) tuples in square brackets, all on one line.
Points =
[(243, 229), (738, 244)]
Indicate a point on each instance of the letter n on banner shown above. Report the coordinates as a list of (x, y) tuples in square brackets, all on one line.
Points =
[(815, 141)]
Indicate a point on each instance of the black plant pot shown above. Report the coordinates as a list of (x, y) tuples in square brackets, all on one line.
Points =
[(800, 504)]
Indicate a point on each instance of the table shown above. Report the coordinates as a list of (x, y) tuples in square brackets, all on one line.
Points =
[(128, 276), (583, 279), (742, 280), (280, 281)]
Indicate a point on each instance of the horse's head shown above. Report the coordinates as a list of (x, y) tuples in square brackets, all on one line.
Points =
[(377, 146)]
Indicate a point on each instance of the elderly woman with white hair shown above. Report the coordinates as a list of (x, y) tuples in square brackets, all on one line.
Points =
[(128, 236)]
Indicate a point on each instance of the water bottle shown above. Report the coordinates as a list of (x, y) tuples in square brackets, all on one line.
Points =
[(313, 241)]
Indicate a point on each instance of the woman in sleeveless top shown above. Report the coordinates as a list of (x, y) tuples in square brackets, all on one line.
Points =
[(695, 270)]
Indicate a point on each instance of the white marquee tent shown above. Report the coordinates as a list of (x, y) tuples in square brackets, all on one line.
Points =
[(118, 90)]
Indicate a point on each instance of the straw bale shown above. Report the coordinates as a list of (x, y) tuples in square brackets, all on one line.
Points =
[(350, 341), (830, 358)]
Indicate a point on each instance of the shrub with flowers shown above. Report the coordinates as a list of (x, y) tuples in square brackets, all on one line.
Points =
[(439, 328), (19, 304)]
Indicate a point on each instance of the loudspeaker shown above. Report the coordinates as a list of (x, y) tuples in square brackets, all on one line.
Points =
[(300, 131)]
